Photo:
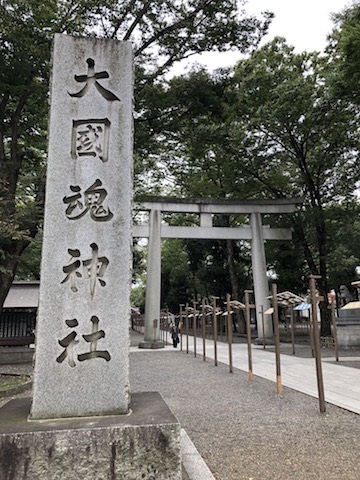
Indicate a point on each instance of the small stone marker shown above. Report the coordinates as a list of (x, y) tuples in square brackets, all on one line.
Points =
[(82, 336)]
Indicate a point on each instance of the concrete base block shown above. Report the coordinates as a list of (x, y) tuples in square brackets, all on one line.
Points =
[(348, 327), (12, 355), (348, 336), (152, 345), (268, 341), (142, 445)]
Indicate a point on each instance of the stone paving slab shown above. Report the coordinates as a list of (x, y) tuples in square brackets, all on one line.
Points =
[(193, 463), (341, 384)]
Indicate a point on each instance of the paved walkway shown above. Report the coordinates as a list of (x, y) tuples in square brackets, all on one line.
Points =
[(242, 430), (341, 384)]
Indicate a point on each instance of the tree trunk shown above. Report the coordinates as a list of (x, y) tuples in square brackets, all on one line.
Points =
[(233, 280), (325, 312)]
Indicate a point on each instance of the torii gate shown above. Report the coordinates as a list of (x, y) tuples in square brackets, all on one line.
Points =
[(256, 233)]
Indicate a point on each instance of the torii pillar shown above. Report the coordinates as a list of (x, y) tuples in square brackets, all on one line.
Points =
[(258, 262), (153, 285)]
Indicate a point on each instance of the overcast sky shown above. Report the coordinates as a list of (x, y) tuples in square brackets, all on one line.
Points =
[(304, 23)]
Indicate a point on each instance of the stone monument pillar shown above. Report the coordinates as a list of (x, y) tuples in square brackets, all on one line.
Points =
[(82, 337), (81, 378)]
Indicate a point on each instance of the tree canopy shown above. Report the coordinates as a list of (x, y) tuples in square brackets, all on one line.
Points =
[(274, 129), (345, 50), (279, 124), (162, 33)]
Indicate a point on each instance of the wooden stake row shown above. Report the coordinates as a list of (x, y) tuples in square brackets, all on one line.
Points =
[(315, 337)]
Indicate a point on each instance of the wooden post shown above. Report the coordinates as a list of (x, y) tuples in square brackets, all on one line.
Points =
[(277, 340), (155, 324), (221, 328), (181, 325), (167, 317), (248, 331), (311, 334), (333, 319), (163, 330), (214, 328), (316, 338), (194, 328), (229, 331), (203, 327), (226, 323), (263, 324), (187, 326), (292, 329)]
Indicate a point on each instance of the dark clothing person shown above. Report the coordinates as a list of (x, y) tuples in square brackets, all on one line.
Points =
[(175, 335)]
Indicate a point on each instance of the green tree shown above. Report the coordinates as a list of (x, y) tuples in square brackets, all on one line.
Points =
[(195, 156), (25, 37), (273, 130), (344, 48), (302, 141), (176, 280), (343, 220), (26, 31)]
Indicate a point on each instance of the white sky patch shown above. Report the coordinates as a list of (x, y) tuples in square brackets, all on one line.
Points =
[(305, 25)]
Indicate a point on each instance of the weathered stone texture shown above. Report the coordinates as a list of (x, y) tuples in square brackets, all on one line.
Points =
[(82, 334), (142, 445)]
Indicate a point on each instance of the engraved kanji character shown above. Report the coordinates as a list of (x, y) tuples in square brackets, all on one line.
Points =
[(94, 268), (71, 270), (93, 338), (69, 344), (74, 203), (90, 138), (94, 197), (91, 79)]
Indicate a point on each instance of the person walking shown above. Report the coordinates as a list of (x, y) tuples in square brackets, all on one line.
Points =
[(174, 335)]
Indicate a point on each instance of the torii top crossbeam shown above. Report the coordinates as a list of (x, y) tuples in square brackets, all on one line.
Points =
[(217, 206)]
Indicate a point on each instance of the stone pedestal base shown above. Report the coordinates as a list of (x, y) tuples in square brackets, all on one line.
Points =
[(348, 326), (142, 445), (348, 335), (152, 345)]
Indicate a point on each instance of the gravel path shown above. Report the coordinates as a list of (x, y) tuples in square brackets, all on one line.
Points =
[(242, 429)]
